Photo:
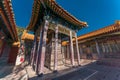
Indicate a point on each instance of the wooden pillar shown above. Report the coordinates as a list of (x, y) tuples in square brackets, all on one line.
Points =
[(38, 50), (35, 56), (103, 48), (71, 49), (78, 54), (56, 49), (33, 50), (97, 48), (31, 54), (116, 44), (109, 46), (42, 48), (68, 51)]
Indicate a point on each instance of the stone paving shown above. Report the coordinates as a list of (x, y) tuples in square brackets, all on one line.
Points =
[(88, 71), (92, 72), (5, 69), (10, 72), (48, 75)]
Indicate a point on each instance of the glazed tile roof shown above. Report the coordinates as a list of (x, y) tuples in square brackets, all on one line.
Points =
[(57, 9), (103, 31), (6, 13)]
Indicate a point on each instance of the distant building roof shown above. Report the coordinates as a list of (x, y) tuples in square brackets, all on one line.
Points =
[(103, 31), (27, 36)]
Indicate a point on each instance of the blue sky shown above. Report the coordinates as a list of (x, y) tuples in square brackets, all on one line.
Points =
[(97, 13)]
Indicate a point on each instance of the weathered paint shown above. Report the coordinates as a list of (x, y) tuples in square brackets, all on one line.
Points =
[(56, 48), (71, 49)]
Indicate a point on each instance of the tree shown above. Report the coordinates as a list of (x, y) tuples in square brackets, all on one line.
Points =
[(20, 31)]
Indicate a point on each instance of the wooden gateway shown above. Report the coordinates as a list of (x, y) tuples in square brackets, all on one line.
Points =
[(51, 26)]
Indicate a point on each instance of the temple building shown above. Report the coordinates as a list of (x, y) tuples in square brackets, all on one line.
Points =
[(51, 45), (52, 25), (102, 45), (8, 33)]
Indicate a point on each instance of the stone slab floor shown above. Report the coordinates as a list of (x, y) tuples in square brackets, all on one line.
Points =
[(91, 71), (8, 71)]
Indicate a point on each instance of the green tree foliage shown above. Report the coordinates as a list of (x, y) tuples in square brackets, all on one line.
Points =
[(20, 31)]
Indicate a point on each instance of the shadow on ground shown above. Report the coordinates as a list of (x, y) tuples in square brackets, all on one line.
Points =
[(91, 71), (5, 68)]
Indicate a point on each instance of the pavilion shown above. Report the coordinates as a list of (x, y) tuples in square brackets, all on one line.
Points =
[(52, 25)]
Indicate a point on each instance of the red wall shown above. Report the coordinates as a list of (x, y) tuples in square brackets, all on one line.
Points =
[(13, 54), (2, 48)]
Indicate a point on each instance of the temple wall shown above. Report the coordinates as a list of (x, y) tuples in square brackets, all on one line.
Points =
[(5, 50), (2, 46), (109, 50), (13, 54)]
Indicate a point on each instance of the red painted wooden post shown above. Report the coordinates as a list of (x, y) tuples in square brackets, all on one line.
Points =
[(71, 49), (43, 48), (78, 54), (56, 48)]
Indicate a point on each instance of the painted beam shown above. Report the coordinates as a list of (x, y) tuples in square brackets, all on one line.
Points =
[(62, 29)]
